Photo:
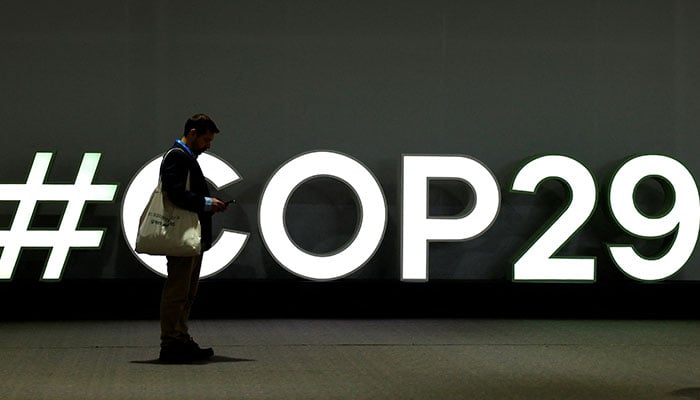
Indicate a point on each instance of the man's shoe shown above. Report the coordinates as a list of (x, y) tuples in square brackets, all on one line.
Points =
[(174, 354), (184, 353), (197, 353)]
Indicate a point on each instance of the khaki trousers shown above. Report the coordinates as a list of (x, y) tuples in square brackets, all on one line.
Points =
[(179, 291)]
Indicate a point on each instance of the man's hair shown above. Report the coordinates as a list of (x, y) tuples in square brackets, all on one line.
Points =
[(201, 123)]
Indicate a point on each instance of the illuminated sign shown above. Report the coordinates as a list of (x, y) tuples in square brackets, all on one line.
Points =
[(418, 228), (68, 236), (372, 219), (538, 261), (683, 217), (225, 248)]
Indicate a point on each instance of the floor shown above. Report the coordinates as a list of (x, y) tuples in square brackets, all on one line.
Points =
[(357, 359)]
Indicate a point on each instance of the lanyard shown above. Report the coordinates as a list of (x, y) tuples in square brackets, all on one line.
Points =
[(187, 149)]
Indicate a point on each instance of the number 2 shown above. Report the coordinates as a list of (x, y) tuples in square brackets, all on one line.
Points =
[(538, 263)]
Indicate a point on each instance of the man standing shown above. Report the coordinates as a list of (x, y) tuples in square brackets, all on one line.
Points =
[(184, 184)]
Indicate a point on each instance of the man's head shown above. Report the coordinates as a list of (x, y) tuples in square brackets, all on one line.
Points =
[(199, 132)]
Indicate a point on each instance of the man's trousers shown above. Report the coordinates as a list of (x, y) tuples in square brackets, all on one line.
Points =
[(179, 291)]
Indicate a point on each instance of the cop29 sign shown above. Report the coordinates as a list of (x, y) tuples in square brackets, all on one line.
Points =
[(537, 262)]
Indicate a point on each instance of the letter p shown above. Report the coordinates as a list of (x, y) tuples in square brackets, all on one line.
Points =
[(419, 229)]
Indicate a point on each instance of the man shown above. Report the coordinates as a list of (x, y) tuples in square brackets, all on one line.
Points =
[(180, 288)]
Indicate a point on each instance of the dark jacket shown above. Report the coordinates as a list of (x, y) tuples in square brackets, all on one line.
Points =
[(173, 173)]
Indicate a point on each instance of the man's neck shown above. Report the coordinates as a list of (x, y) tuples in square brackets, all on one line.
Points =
[(183, 140)]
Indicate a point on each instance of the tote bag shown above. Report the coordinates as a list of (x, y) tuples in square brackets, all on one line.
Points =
[(168, 230)]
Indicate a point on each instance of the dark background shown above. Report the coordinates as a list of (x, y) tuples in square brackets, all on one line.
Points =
[(500, 81)]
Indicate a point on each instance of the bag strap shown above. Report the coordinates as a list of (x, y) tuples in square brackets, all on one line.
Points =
[(168, 152), (160, 181)]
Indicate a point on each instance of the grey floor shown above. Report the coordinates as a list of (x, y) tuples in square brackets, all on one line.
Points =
[(357, 359)]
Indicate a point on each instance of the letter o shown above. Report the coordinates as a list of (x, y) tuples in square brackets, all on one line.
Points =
[(372, 221)]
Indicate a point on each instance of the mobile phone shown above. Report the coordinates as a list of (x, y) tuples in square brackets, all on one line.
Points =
[(231, 202)]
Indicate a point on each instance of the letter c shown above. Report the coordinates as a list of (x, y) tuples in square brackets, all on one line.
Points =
[(225, 248)]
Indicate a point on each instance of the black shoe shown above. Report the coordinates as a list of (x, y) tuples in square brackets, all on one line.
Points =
[(197, 353), (184, 353), (174, 354)]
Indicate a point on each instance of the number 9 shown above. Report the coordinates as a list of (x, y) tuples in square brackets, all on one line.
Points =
[(683, 217)]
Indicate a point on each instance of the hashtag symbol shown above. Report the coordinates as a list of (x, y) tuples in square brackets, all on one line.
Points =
[(67, 235)]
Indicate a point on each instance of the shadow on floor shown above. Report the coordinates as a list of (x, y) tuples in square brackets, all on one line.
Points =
[(689, 393), (213, 360)]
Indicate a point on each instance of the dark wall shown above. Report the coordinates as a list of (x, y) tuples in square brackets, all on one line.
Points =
[(500, 81)]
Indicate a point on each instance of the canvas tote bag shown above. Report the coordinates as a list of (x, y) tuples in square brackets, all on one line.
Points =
[(168, 230)]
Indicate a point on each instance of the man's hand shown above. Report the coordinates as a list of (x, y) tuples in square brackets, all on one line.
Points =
[(217, 205)]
